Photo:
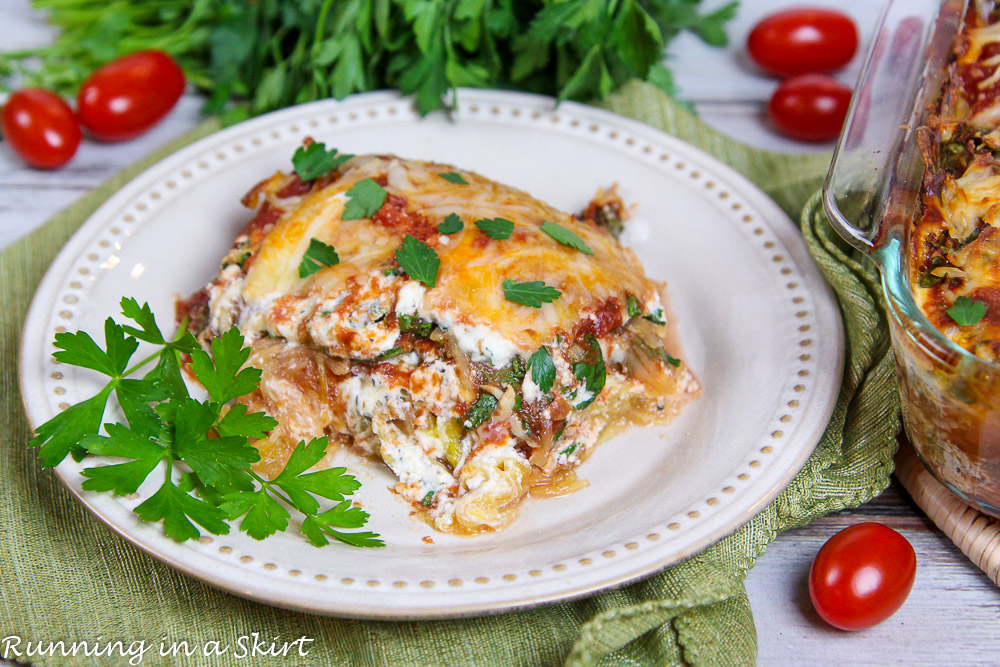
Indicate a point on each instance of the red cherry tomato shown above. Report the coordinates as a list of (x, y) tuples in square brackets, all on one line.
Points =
[(809, 107), (40, 127), (803, 40), (129, 95), (861, 576)]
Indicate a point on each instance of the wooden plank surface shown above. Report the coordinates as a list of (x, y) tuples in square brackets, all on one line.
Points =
[(953, 614)]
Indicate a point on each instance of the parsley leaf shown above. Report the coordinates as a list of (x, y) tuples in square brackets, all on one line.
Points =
[(79, 349), (62, 434), (532, 293), (454, 177), (497, 228), (222, 374), (236, 421), (967, 312), (543, 369), (634, 310), (317, 255), (480, 411), (143, 316), (452, 224), (342, 515), (314, 160), (592, 374), (264, 515), (122, 478), (363, 199), (178, 509), (418, 260), (565, 236)]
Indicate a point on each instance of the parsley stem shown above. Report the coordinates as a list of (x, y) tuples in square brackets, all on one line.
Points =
[(271, 487), (142, 363), (321, 24)]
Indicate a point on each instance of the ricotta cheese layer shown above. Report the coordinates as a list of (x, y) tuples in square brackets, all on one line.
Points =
[(470, 398)]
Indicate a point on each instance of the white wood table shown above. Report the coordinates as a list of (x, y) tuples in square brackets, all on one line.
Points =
[(953, 614)]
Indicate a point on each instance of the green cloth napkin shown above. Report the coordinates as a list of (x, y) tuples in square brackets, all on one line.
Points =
[(67, 577)]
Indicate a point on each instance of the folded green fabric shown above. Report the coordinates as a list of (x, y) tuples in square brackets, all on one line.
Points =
[(66, 577)]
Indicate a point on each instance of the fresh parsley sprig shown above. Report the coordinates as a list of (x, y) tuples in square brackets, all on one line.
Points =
[(363, 200), (418, 260), (314, 160), (452, 224), (496, 228), (317, 255), (543, 369), (565, 237), (453, 177), (165, 427), (532, 293), (967, 312)]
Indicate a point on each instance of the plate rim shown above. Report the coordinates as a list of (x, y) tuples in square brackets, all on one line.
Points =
[(775, 217)]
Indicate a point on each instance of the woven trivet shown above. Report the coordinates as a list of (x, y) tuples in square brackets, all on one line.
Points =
[(976, 534)]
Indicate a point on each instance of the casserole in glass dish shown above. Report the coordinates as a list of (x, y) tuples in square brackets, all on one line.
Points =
[(889, 165)]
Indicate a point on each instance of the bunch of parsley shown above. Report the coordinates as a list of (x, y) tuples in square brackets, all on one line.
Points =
[(191, 446), (268, 54)]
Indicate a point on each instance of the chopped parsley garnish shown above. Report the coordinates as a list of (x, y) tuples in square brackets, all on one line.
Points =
[(656, 317), (317, 255), (480, 411), (314, 160), (967, 312), (428, 499), (418, 260), (532, 293), (634, 310), (452, 224), (363, 199), (569, 450), (559, 432), (593, 374), (497, 228), (165, 427), (566, 237), (657, 352), (454, 177), (514, 371), (392, 352), (412, 324), (510, 374), (518, 403), (543, 369)]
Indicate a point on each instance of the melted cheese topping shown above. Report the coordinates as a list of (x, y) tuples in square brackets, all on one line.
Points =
[(468, 292)]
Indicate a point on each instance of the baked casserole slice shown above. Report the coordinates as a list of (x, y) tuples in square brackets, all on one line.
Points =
[(955, 240), (474, 339)]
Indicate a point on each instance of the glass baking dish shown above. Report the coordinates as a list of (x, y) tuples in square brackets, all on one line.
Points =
[(950, 398)]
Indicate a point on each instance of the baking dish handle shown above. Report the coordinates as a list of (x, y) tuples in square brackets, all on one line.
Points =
[(874, 160)]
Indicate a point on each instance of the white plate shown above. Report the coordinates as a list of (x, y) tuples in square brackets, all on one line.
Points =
[(759, 327)]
